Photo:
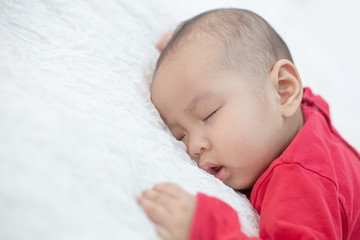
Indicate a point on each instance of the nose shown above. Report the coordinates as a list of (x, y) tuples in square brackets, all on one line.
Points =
[(198, 143)]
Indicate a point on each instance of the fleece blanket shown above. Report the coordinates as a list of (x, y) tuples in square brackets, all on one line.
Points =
[(79, 136)]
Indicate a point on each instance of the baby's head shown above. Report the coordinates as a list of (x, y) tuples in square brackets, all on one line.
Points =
[(227, 87)]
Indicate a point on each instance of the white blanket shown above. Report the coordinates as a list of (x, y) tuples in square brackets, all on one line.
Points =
[(79, 136)]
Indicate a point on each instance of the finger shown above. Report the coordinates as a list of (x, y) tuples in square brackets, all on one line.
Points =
[(163, 232), (161, 198), (156, 212), (164, 41), (170, 189)]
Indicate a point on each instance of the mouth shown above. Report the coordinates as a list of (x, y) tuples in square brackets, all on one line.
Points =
[(220, 172), (214, 170)]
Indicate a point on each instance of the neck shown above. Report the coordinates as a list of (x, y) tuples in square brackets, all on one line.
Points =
[(293, 127), (296, 122)]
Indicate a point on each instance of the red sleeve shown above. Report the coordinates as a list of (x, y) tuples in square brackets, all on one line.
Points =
[(296, 204), (214, 219)]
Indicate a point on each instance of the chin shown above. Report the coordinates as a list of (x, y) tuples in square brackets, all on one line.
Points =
[(239, 186)]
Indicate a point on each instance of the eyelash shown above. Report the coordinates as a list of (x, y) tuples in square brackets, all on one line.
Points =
[(204, 120), (210, 115), (180, 139)]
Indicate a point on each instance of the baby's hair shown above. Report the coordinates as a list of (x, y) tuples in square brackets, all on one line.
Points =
[(247, 42)]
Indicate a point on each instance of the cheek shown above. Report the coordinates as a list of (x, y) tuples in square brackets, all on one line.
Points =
[(238, 136), (229, 139)]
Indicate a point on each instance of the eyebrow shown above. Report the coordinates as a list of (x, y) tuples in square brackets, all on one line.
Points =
[(195, 101)]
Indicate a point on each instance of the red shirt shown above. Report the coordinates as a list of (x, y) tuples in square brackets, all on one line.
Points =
[(312, 191)]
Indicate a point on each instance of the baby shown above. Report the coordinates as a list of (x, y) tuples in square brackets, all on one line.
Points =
[(227, 87)]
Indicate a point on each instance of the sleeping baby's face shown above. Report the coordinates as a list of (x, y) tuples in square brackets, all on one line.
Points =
[(229, 127)]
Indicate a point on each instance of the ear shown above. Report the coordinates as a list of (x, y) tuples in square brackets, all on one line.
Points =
[(287, 82)]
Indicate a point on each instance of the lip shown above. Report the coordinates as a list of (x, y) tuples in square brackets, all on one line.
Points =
[(220, 172)]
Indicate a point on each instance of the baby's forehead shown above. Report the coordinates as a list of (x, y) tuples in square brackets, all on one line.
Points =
[(193, 49), (183, 42)]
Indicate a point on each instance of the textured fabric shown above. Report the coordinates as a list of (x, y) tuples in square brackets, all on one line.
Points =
[(310, 192), (79, 136)]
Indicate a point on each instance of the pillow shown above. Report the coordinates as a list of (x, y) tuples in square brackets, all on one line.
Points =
[(79, 136)]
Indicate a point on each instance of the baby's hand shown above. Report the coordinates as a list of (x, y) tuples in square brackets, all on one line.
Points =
[(170, 208), (164, 41)]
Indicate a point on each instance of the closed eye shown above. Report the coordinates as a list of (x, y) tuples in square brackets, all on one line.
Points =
[(210, 115), (180, 138)]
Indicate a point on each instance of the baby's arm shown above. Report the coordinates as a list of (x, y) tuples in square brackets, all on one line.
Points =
[(180, 215)]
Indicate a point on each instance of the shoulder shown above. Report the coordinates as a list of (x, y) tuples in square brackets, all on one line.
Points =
[(286, 181)]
